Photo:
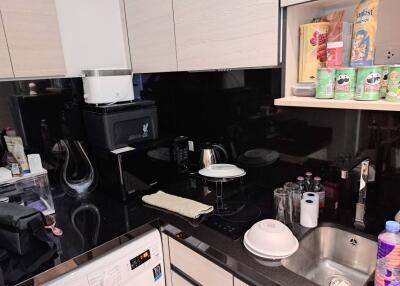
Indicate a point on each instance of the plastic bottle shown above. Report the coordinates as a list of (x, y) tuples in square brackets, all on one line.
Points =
[(319, 189), (388, 259)]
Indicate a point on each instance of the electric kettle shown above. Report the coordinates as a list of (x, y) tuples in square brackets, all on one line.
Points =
[(212, 154)]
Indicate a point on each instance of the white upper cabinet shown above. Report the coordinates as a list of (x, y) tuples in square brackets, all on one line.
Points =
[(151, 35), (5, 61), (93, 34), (33, 37), (214, 34)]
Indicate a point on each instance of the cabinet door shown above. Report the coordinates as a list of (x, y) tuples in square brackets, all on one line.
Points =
[(33, 37), (5, 62), (178, 280), (197, 267), (215, 34), (237, 282), (151, 35), (93, 34)]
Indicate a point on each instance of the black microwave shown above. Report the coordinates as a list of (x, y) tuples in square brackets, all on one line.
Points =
[(115, 126)]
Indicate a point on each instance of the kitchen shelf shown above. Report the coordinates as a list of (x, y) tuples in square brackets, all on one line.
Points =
[(294, 101)]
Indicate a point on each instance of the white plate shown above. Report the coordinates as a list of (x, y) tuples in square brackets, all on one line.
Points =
[(224, 171), (221, 167), (255, 251)]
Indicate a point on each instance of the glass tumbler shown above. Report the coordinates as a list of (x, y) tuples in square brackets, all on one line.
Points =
[(283, 206), (295, 192)]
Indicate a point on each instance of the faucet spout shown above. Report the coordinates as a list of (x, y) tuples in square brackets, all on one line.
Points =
[(359, 222)]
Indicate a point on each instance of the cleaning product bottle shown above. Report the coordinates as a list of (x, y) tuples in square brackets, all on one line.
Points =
[(388, 260)]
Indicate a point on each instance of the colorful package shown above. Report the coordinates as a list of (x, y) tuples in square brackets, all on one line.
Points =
[(364, 33), (313, 39)]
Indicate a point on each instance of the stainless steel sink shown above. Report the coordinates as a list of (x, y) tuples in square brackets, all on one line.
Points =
[(329, 254)]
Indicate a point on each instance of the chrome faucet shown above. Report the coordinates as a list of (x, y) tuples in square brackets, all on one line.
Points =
[(359, 221)]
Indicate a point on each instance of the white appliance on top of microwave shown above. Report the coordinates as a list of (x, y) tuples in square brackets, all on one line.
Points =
[(107, 85), (139, 262)]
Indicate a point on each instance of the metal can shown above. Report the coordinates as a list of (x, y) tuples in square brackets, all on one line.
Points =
[(345, 83), (369, 81), (393, 94), (325, 83), (384, 86)]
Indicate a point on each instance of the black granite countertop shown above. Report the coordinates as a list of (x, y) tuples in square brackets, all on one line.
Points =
[(99, 218)]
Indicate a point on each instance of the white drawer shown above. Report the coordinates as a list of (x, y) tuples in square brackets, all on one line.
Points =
[(237, 282), (197, 267), (178, 280)]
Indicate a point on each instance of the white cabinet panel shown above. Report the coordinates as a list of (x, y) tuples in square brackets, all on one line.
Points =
[(151, 35), (177, 280), (214, 34), (33, 37), (197, 267), (237, 282), (5, 61), (93, 34)]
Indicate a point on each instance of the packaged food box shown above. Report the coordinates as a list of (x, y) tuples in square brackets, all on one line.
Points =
[(312, 54), (364, 33)]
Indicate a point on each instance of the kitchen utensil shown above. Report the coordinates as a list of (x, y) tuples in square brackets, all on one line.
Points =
[(259, 254), (180, 154), (283, 208), (271, 238), (306, 89), (258, 158), (107, 86), (212, 154), (295, 193), (222, 171)]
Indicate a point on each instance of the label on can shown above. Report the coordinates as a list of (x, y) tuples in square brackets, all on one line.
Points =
[(325, 83), (393, 93), (385, 72), (345, 83), (369, 81)]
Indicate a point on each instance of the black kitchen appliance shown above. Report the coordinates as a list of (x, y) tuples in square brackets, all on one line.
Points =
[(180, 154), (114, 126)]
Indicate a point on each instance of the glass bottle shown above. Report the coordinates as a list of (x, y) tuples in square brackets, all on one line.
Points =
[(308, 182), (319, 189), (300, 182)]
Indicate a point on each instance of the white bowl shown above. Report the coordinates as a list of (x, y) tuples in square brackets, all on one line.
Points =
[(271, 238)]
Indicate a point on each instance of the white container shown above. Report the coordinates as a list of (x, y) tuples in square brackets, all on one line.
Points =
[(105, 86)]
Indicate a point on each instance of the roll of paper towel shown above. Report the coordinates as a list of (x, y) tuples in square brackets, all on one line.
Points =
[(309, 209), (311, 195)]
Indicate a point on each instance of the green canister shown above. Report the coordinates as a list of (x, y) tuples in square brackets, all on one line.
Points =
[(393, 94), (384, 85), (369, 81), (345, 83), (325, 83)]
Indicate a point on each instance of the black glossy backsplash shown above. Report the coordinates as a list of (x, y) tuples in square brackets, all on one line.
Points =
[(235, 109)]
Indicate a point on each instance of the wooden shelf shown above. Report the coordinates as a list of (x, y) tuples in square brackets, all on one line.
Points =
[(294, 101)]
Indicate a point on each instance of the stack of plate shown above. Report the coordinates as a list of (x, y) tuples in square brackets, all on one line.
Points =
[(222, 171), (270, 239)]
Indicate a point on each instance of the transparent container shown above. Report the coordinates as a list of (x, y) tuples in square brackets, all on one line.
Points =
[(32, 190), (283, 207), (295, 193), (388, 259)]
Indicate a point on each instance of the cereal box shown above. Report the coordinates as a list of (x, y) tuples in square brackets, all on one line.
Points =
[(364, 33), (313, 39)]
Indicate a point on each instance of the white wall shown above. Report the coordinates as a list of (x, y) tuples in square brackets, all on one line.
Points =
[(93, 34)]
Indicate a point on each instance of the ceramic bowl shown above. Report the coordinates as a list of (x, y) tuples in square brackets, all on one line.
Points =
[(271, 238)]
